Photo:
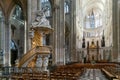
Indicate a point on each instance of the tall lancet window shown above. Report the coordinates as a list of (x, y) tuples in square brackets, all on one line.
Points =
[(46, 5), (18, 14), (92, 20), (66, 7)]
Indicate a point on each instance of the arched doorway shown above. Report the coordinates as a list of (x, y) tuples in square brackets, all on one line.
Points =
[(14, 52)]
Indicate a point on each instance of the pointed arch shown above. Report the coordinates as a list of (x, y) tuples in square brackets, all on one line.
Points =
[(18, 31), (23, 5)]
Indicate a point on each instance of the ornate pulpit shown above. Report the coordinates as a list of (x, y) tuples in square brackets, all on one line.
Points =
[(39, 54)]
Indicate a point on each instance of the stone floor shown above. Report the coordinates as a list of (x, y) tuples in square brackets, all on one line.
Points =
[(93, 74)]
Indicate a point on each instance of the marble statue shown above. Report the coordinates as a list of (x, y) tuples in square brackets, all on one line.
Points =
[(40, 20), (39, 61)]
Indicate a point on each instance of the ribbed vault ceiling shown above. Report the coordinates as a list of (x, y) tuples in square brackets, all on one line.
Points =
[(96, 5)]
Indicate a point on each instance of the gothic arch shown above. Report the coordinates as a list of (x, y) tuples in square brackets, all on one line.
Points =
[(23, 5), (1, 6), (8, 5), (18, 31)]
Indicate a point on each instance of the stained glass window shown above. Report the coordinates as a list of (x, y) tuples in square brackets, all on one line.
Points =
[(46, 4), (66, 7)]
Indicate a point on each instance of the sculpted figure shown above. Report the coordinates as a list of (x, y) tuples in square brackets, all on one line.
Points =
[(40, 20)]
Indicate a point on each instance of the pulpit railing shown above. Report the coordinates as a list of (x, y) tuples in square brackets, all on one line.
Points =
[(21, 72), (32, 52)]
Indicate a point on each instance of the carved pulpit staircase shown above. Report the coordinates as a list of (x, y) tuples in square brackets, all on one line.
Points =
[(39, 54)]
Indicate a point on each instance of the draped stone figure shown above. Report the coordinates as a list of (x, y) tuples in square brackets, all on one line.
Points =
[(40, 20)]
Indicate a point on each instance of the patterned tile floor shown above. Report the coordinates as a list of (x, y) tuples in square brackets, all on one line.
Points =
[(93, 74)]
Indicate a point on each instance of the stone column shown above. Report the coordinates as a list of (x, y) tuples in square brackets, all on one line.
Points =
[(34, 9), (73, 53), (28, 41), (2, 33), (62, 32), (38, 4), (7, 43), (55, 50), (2, 37), (115, 32), (118, 20), (59, 32)]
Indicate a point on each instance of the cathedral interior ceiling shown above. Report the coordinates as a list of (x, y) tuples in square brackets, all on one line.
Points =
[(7, 6), (98, 6)]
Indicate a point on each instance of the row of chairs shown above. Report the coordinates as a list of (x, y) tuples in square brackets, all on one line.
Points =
[(30, 76), (95, 65), (67, 72), (112, 72), (60, 73)]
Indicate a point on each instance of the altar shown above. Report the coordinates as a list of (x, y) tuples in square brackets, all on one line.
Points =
[(94, 53)]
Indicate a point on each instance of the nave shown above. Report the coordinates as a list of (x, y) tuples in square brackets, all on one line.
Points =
[(86, 71), (93, 74)]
